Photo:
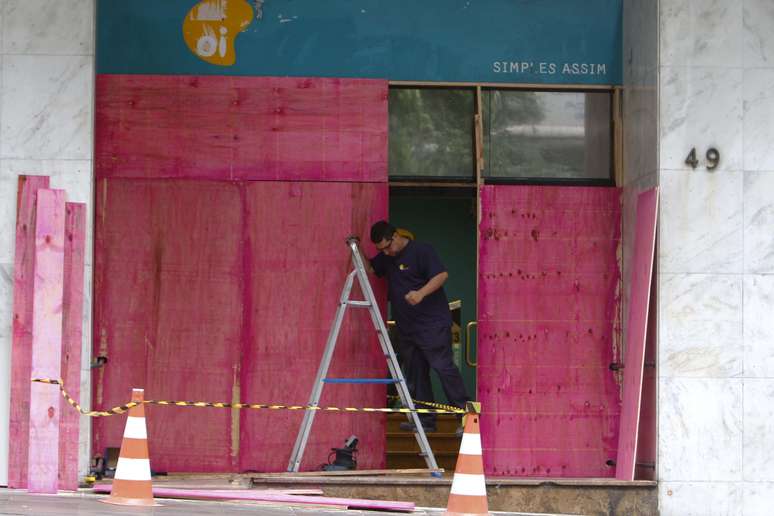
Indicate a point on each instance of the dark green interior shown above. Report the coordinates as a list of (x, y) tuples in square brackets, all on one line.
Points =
[(445, 218)]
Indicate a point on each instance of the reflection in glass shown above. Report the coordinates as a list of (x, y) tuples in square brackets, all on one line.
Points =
[(546, 135), (431, 133)]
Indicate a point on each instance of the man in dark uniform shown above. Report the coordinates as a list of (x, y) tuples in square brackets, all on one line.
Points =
[(415, 278)]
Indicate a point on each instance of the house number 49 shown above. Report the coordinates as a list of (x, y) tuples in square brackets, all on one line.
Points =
[(712, 155)]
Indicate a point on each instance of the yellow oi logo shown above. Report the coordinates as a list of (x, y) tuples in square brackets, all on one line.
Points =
[(211, 26)]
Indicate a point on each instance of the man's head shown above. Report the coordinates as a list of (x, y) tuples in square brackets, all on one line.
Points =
[(386, 239)]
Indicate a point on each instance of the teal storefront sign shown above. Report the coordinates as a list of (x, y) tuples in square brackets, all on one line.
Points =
[(503, 41)]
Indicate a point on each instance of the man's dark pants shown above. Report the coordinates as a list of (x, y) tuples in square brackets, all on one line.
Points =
[(431, 349)]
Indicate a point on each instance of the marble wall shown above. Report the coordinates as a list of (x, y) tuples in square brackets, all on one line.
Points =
[(716, 257), (46, 128)]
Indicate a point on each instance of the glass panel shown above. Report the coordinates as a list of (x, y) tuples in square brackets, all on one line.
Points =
[(431, 133), (546, 135)]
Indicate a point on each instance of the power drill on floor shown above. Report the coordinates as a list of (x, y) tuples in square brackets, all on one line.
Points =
[(346, 458)]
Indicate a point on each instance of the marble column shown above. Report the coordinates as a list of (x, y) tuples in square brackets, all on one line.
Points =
[(46, 128)]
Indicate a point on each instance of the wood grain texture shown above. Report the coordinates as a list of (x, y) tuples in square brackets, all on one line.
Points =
[(637, 326), (21, 346), (548, 301), (221, 291), (72, 341), (256, 128), (296, 235), (42, 473), (168, 313)]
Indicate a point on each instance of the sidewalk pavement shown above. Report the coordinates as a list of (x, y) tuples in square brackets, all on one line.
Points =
[(17, 503)]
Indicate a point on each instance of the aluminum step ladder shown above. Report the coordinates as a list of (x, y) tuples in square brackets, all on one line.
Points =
[(359, 273)]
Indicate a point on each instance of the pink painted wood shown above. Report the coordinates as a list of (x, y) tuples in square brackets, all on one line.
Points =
[(637, 320), (21, 348), (266, 496), (295, 235), (42, 474), (258, 128), (168, 314), (548, 304), (72, 341), (222, 291)]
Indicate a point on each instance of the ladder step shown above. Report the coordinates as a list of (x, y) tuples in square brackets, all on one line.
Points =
[(364, 304), (360, 380)]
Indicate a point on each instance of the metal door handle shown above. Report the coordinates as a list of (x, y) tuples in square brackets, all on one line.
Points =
[(467, 343)]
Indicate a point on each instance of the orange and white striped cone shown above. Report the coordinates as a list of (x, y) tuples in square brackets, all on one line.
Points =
[(132, 481), (468, 491)]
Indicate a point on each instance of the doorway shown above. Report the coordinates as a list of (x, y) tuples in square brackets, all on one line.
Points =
[(446, 218)]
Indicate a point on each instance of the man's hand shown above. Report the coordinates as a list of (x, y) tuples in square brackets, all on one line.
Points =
[(414, 297)]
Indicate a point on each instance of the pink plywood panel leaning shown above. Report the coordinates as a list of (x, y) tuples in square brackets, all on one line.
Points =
[(21, 350), (637, 319), (548, 306), (72, 341), (43, 470), (251, 128)]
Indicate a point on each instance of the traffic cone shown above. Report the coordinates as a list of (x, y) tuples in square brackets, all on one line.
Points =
[(132, 481), (468, 491)]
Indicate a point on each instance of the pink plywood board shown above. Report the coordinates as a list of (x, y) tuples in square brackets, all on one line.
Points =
[(168, 311), (21, 350), (268, 496), (233, 285), (72, 341), (296, 233), (257, 128), (548, 301), (42, 474), (637, 319)]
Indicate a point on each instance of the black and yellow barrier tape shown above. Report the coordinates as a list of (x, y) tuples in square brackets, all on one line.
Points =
[(447, 409), (121, 409)]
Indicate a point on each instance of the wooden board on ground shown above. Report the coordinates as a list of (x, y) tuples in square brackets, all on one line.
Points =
[(350, 473), (254, 495)]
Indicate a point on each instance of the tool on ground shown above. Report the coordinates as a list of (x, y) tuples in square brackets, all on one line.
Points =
[(345, 458), (359, 273)]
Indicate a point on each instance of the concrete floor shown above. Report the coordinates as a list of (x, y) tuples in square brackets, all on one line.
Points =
[(82, 504)]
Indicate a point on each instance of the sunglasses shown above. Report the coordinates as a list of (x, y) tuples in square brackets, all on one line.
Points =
[(382, 249)]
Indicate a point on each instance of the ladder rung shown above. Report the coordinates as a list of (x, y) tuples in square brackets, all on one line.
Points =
[(359, 303), (360, 380)]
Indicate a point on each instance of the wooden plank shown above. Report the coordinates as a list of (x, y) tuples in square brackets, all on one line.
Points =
[(72, 341), (46, 341), (21, 347), (252, 128), (637, 319), (352, 473), (197, 494), (547, 312)]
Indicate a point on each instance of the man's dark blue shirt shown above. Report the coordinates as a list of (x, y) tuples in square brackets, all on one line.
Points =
[(410, 270)]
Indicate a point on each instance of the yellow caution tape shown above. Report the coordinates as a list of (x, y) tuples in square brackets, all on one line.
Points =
[(447, 409), (121, 409)]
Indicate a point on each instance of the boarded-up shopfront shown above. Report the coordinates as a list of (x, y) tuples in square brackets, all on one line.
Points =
[(224, 193)]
